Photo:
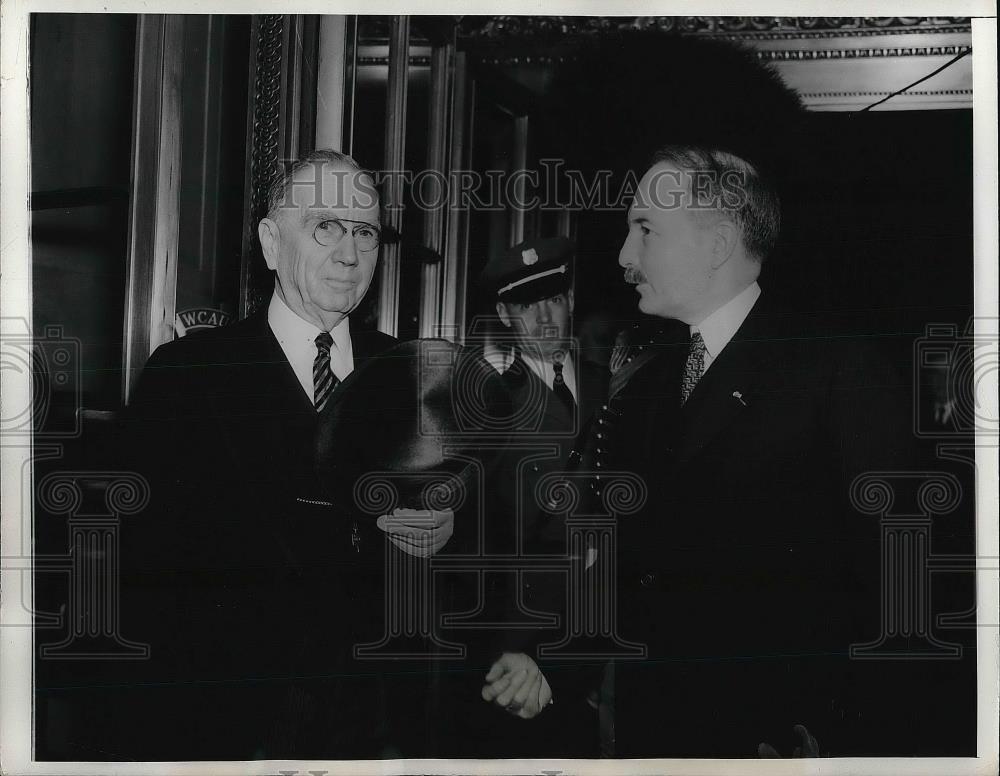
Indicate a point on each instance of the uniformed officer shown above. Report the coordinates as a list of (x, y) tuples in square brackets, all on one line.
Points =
[(534, 301), (554, 390)]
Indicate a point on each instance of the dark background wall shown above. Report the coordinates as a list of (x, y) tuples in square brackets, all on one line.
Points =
[(81, 75)]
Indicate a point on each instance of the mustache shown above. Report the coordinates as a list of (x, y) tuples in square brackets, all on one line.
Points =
[(634, 276)]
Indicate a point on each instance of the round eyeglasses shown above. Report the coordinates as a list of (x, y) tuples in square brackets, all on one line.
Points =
[(330, 232)]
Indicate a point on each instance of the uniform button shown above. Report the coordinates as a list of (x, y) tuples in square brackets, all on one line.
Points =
[(647, 579), (598, 464), (600, 436), (604, 407), (534, 468)]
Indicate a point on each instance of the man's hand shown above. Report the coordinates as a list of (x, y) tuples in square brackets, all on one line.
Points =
[(809, 748), (516, 684), (418, 532)]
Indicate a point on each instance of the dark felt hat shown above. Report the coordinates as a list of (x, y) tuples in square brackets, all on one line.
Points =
[(381, 438), (534, 269)]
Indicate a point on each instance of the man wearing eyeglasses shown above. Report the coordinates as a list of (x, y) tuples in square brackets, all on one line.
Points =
[(252, 590), (321, 237)]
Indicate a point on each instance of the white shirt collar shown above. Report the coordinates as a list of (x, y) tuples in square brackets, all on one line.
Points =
[(718, 328), (501, 359), (297, 338), (497, 357)]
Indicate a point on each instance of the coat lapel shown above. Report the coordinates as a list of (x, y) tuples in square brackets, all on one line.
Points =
[(285, 390), (727, 389), (264, 398)]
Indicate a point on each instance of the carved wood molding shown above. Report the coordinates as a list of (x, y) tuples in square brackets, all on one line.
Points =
[(264, 147), (415, 61), (911, 92), (834, 63), (505, 28), (782, 55)]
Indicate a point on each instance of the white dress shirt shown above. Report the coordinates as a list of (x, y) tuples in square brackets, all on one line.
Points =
[(297, 338), (718, 328), (502, 358)]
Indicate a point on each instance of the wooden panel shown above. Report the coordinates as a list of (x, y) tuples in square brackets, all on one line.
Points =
[(519, 162), (395, 160), (455, 261), (436, 218), (299, 53), (154, 205), (332, 102)]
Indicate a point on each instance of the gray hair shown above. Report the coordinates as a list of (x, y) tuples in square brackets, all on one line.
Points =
[(279, 183), (728, 184)]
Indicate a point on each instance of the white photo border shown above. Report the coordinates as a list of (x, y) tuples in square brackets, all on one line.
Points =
[(16, 638)]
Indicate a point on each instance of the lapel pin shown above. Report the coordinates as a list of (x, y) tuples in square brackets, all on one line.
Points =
[(739, 397)]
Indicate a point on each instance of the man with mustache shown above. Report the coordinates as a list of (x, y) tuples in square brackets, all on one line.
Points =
[(746, 574), (253, 589)]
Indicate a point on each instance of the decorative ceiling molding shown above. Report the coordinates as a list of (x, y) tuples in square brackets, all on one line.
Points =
[(770, 55), (507, 28), (911, 93), (383, 61), (781, 55), (835, 63)]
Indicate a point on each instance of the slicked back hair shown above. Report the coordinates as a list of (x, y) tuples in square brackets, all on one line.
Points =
[(280, 182), (727, 184)]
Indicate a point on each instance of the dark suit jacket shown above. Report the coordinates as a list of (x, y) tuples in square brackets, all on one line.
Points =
[(246, 586), (544, 435), (547, 423), (746, 574)]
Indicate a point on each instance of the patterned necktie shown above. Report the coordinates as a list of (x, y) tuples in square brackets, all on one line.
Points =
[(324, 380), (694, 367), (559, 387)]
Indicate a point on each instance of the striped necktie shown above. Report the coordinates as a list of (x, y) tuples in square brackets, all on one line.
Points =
[(324, 380), (694, 367)]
